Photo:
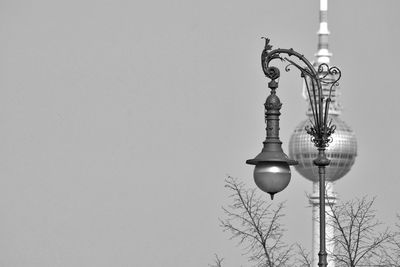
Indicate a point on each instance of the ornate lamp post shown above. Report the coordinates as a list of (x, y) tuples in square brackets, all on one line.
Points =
[(272, 172)]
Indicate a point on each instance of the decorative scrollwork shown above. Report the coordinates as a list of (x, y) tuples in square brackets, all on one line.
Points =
[(311, 130), (321, 138), (272, 72), (323, 67), (337, 73), (320, 130), (330, 128), (329, 75), (287, 68)]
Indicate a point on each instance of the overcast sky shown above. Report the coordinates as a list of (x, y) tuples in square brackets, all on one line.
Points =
[(119, 121)]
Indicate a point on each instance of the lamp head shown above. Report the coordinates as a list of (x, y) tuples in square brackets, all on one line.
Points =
[(272, 171)]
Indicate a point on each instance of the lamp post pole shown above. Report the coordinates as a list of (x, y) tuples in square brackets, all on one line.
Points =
[(272, 172)]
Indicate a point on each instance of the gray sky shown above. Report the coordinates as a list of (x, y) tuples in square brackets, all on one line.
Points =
[(121, 119)]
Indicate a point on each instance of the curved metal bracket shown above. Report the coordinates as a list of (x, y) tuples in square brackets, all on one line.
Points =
[(315, 78)]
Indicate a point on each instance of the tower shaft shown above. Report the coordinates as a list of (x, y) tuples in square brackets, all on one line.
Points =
[(323, 55)]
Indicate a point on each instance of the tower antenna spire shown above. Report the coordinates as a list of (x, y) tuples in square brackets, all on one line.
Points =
[(323, 55)]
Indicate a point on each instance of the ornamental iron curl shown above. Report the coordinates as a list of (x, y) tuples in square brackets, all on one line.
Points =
[(316, 80)]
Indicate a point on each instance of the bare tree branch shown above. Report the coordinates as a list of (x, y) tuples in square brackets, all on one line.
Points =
[(217, 261), (256, 225), (304, 258), (358, 241), (391, 253)]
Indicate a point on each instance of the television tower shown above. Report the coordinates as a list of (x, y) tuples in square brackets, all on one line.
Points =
[(342, 151)]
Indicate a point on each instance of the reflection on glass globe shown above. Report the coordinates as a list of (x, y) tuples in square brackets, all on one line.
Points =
[(272, 177)]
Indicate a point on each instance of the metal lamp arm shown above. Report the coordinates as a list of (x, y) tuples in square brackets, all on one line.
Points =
[(273, 72), (320, 129)]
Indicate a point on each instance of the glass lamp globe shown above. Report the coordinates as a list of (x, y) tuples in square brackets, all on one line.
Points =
[(272, 177)]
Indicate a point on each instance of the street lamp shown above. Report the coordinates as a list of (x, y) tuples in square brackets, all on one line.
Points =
[(272, 171)]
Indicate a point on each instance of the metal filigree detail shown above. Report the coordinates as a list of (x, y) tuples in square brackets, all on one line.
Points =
[(329, 76), (272, 72), (321, 140), (324, 75), (275, 106)]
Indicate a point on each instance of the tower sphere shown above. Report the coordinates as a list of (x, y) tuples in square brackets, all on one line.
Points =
[(342, 151)]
